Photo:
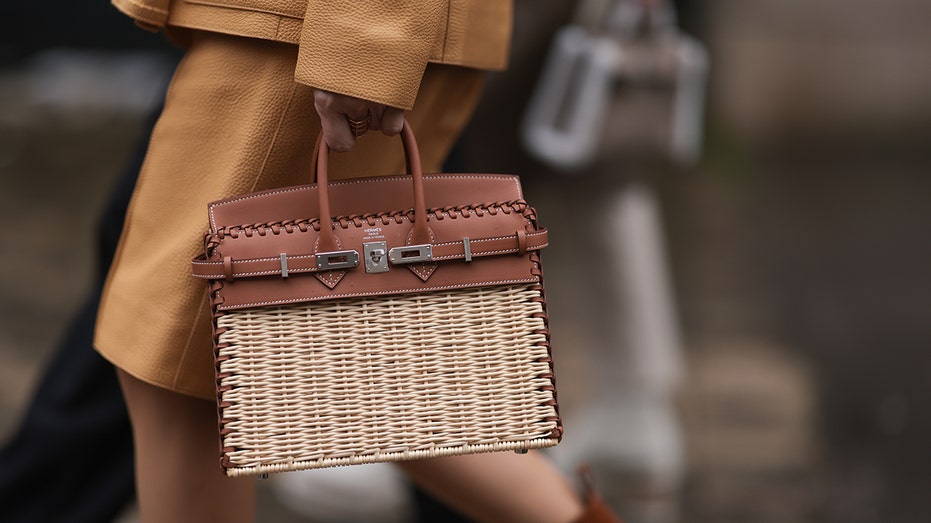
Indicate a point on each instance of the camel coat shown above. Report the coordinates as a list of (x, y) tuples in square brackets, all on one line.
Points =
[(236, 121), (371, 49)]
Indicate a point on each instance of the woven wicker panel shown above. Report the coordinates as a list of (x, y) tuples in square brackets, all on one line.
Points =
[(425, 375)]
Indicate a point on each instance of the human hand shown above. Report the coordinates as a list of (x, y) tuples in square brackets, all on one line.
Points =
[(344, 118)]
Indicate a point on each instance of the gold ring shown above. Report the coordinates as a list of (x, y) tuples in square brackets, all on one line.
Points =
[(358, 127)]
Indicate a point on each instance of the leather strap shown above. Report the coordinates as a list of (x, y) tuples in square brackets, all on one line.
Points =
[(306, 263), (420, 233)]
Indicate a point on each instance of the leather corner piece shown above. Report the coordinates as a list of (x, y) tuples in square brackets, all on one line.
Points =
[(423, 270), (330, 278)]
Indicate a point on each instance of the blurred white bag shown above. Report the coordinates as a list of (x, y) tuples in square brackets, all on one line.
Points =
[(621, 81)]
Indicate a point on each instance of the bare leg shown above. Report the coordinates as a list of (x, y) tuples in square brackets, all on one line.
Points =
[(178, 476), (499, 487)]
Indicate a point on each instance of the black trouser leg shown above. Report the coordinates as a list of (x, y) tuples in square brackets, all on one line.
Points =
[(71, 459)]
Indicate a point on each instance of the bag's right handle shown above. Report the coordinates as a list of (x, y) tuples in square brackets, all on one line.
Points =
[(420, 233)]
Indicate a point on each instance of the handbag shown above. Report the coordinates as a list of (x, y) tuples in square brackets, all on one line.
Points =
[(378, 319)]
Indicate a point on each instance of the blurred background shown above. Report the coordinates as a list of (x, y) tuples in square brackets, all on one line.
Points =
[(793, 253)]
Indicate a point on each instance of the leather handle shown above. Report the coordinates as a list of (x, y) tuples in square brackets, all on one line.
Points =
[(420, 234)]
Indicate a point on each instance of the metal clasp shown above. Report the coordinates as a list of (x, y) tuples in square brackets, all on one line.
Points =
[(284, 265), (328, 261), (467, 249), (411, 254), (376, 257)]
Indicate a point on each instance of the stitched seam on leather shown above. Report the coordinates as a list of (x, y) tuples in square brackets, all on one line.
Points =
[(442, 244), (332, 279), (380, 293), (516, 181), (491, 64), (356, 181), (480, 240), (245, 7), (256, 273), (346, 222), (301, 270), (479, 254), (297, 270), (424, 272), (204, 302), (274, 258)]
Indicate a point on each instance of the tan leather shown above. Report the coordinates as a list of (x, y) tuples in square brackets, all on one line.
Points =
[(154, 319), (372, 49), (247, 260), (268, 233), (202, 268)]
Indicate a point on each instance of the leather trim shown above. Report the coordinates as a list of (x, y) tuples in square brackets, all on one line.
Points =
[(278, 7), (304, 263), (488, 209), (442, 191), (521, 242)]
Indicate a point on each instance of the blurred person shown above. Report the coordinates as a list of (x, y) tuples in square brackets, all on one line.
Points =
[(254, 88), (619, 100)]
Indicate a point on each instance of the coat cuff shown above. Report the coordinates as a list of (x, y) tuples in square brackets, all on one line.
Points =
[(371, 49)]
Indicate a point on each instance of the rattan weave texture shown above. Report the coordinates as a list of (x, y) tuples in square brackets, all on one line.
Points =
[(443, 373)]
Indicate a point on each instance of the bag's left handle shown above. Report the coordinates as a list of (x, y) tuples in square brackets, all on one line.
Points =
[(420, 233)]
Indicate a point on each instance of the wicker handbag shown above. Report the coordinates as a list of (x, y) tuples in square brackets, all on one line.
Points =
[(378, 319)]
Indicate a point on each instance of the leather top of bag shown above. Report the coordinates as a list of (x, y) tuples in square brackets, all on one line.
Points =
[(264, 246)]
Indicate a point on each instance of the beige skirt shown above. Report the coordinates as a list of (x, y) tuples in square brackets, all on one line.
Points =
[(234, 122)]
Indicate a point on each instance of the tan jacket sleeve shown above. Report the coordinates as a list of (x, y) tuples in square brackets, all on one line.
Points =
[(371, 49), (148, 14)]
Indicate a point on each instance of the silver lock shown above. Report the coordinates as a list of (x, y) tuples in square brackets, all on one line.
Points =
[(376, 257), (411, 254), (337, 260)]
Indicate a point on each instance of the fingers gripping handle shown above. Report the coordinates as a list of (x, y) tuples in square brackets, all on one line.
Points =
[(420, 234)]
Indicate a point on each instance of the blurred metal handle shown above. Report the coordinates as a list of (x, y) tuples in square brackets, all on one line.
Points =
[(688, 105), (563, 123)]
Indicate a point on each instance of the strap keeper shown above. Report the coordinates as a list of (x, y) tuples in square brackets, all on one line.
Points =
[(467, 248), (522, 242), (284, 265), (228, 268)]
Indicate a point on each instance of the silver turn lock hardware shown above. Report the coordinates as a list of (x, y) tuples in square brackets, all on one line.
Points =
[(375, 255), (411, 254), (329, 261)]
